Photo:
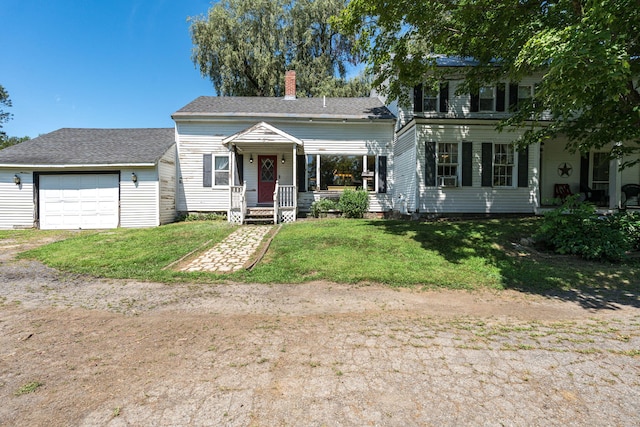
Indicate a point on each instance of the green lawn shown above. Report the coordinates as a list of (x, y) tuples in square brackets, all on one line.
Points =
[(452, 254)]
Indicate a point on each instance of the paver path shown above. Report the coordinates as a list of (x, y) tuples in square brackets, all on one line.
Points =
[(232, 253)]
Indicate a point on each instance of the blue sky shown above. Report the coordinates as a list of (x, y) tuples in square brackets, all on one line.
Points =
[(97, 63)]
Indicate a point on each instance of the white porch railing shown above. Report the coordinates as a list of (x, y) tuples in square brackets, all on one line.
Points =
[(237, 203), (285, 203)]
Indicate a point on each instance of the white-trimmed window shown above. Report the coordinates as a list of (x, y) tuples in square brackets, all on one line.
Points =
[(525, 92), (503, 165), (430, 99), (448, 164), (221, 170), (336, 172), (487, 101)]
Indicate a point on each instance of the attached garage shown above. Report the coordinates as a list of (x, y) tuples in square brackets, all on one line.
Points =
[(89, 179), (79, 201)]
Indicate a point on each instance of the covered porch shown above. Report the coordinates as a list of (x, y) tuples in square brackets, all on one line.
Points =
[(595, 177), (263, 175)]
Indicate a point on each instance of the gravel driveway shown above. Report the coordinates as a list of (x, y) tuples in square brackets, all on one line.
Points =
[(122, 353)]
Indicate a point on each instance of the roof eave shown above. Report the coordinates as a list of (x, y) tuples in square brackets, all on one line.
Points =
[(202, 116), (75, 166)]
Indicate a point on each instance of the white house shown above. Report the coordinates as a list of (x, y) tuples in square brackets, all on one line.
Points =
[(449, 157), (235, 153), (271, 158)]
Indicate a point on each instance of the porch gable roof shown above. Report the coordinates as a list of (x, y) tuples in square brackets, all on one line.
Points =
[(262, 132)]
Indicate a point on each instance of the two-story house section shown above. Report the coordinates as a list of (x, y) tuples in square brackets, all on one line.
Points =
[(449, 156)]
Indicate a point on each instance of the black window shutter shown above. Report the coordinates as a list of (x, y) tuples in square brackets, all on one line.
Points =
[(500, 93), (418, 99), (206, 170), (523, 167), (513, 97), (430, 164), (240, 168), (467, 165), (475, 102), (444, 97), (301, 171), (487, 164), (382, 174), (584, 171)]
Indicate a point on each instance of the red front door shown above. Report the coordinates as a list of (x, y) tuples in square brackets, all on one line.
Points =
[(267, 175)]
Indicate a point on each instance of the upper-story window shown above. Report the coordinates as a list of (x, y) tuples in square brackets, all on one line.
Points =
[(525, 92), (487, 98), (430, 99)]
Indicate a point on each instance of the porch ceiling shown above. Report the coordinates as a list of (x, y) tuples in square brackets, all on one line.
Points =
[(262, 133)]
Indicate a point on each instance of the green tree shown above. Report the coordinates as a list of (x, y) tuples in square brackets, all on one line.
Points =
[(7, 141), (245, 46), (587, 52), (5, 116)]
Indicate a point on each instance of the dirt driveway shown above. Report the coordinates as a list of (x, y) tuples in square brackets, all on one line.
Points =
[(123, 353)]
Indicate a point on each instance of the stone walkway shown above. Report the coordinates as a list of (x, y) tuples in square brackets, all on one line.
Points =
[(233, 253)]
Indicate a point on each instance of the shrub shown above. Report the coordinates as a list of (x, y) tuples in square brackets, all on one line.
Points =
[(575, 228), (354, 203), (322, 206), (204, 216)]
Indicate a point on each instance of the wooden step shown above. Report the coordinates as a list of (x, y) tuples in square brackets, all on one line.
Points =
[(259, 215)]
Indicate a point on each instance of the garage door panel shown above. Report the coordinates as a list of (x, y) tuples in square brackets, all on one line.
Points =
[(79, 201)]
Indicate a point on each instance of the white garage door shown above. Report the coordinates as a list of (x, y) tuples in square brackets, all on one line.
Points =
[(79, 201)]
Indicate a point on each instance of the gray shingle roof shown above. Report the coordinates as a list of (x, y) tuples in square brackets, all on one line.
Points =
[(319, 108), (91, 147)]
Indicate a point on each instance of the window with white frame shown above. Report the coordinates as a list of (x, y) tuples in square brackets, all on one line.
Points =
[(503, 165), (430, 99), (487, 98), (336, 172), (221, 170), (448, 164), (525, 92)]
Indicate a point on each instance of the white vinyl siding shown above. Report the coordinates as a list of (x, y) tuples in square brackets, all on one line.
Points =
[(167, 183), (139, 201), (406, 172), (16, 207), (319, 137), (475, 198)]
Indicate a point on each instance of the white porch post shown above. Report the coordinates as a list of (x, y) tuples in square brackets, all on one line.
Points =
[(295, 165), (615, 177)]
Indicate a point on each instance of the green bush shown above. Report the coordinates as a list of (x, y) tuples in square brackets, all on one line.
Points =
[(354, 203), (321, 207), (575, 228), (204, 216)]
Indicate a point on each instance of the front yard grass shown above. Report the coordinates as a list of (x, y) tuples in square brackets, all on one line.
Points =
[(465, 254)]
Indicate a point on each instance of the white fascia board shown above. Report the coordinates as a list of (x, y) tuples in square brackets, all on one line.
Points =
[(77, 166)]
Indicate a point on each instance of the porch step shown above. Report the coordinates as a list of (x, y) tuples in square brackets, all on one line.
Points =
[(259, 215)]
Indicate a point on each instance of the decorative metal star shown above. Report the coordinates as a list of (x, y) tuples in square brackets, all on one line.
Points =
[(565, 169)]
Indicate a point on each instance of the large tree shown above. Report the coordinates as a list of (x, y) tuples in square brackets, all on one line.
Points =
[(586, 51), (245, 46)]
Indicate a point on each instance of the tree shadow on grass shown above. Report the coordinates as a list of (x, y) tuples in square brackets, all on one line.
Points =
[(593, 285)]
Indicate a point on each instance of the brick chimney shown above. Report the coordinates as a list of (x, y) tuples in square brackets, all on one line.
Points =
[(290, 85)]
